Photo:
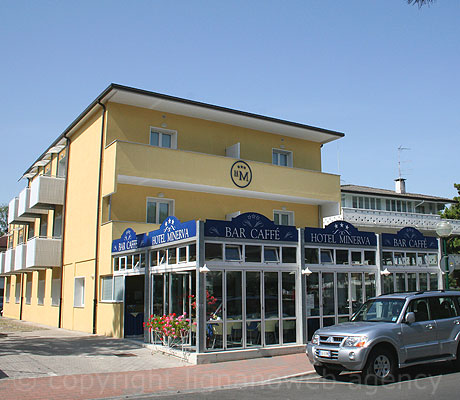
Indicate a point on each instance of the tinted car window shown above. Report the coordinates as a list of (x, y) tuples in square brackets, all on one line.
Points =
[(420, 308), (379, 310), (442, 307)]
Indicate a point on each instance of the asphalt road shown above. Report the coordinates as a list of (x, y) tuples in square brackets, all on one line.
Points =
[(437, 381)]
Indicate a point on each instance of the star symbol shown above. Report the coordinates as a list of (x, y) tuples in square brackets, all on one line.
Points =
[(341, 225), (336, 226), (346, 226)]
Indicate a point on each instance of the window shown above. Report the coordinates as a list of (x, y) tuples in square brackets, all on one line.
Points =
[(21, 235), (192, 253), (28, 289), (41, 292), (420, 308), (47, 169), (311, 256), (138, 261), (163, 138), (326, 257), (356, 258), (162, 256), (57, 224), (282, 158), (369, 257), (271, 254), (341, 256), (253, 254), (17, 291), (432, 259), (153, 258), (233, 253), (387, 258), (158, 210), (172, 256), (213, 252), (283, 217), (31, 231), (79, 292), (55, 292), (43, 225), (442, 308), (182, 254), (7, 290), (289, 255), (61, 166), (112, 288)]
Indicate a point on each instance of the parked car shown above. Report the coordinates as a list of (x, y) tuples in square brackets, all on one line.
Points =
[(389, 332)]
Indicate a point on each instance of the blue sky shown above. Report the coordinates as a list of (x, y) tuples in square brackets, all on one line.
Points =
[(383, 72)]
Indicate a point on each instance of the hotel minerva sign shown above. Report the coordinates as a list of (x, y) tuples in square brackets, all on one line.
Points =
[(340, 232)]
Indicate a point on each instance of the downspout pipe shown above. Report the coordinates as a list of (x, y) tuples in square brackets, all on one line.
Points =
[(98, 212), (67, 156)]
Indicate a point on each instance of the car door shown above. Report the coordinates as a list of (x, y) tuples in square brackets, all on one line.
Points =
[(419, 338), (444, 312)]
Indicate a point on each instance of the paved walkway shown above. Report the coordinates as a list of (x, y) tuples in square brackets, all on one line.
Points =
[(71, 384)]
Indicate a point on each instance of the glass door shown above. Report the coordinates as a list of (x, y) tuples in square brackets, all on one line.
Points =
[(271, 308), (234, 309), (343, 299), (253, 308), (328, 298)]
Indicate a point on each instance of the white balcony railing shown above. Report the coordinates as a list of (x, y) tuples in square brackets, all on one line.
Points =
[(390, 219), (2, 262), (43, 253), (13, 217), (20, 257), (9, 261), (24, 209), (46, 191)]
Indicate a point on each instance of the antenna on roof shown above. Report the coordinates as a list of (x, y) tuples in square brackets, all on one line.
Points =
[(400, 149)]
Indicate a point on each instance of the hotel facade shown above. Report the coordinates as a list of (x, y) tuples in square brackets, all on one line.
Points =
[(150, 204)]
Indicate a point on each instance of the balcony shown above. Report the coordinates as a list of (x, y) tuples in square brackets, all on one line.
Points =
[(46, 192), (13, 213), (140, 164), (2, 262), (389, 219), (20, 257), (43, 253), (24, 209), (9, 261)]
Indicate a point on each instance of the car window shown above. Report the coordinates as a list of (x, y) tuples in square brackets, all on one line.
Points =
[(420, 308), (379, 310), (442, 307)]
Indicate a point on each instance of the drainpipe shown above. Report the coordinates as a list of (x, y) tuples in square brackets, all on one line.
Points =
[(99, 190), (67, 156), (22, 295)]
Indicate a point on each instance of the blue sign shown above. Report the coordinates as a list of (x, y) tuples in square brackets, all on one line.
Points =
[(250, 226), (409, 238), (340, 232), (171, 230), (128, 241)]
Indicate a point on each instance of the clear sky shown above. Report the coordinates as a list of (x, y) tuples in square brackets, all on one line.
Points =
[(385, 73)]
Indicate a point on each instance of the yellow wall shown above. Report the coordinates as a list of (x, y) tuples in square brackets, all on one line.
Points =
[(129, 204), (133, 124), (12, 309)]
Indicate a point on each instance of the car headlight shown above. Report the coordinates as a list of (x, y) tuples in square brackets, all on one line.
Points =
[(315, 339), (355, 341)]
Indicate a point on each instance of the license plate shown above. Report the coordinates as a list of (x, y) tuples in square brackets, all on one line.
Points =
[(324, 353)]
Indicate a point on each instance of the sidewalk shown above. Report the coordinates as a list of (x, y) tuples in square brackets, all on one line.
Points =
[(38, 362), (189, 378)]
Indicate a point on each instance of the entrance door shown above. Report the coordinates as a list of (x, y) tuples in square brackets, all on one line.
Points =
[(134, 305)]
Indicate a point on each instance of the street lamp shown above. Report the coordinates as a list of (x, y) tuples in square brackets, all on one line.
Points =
[(444, 229)]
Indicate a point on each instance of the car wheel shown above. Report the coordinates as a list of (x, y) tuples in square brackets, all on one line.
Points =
[(326, 372), (456, 362), (380, 367)]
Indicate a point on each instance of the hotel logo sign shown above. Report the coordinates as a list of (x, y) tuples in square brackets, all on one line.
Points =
[(241, 174), (409, 238), (341, 233)]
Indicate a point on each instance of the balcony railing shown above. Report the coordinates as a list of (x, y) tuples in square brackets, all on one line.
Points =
[(390, 219), (20, 257), (43, 253), (24, 209), (13, 213), (2, 262), (46, 192), (9, 261)]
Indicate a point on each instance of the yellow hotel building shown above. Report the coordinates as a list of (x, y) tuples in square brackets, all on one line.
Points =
[(132, 159)]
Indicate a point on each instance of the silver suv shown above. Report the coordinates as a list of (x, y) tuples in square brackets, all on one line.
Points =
[(390, 332)]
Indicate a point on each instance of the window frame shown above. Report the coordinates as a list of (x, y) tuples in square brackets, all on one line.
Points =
[(288, 153), (157, 210), (41, 288), (161, 132), (82, 299), (290, 215), (113, 278)]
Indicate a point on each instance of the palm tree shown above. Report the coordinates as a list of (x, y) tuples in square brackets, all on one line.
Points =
[(421, 3)]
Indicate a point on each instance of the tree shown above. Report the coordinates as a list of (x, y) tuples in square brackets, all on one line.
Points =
[(453, 212), (421, 3), (3, 218)]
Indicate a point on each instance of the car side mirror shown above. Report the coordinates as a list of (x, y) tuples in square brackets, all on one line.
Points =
[(410, 318)]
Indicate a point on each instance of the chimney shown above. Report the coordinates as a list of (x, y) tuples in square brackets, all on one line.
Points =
[(400, 185)]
